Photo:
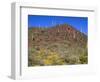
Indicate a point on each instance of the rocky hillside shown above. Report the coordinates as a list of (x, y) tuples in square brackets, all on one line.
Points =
[(64, 40)]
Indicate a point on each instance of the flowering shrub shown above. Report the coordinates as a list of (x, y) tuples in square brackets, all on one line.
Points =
[(44, 57)]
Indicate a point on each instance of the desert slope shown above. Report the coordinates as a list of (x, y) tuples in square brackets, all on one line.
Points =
[(57, 45)]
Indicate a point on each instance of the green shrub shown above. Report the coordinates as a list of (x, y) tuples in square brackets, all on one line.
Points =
[(44, 57), (84, 57), (72, 60)]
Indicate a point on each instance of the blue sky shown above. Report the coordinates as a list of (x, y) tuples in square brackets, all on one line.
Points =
[(80, 23)]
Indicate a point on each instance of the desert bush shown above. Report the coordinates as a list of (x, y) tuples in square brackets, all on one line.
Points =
[(71, 60), (84, 57), (53, 58), (46, 57)]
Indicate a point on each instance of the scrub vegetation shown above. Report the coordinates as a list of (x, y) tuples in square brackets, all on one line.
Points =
[(58, 45)]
